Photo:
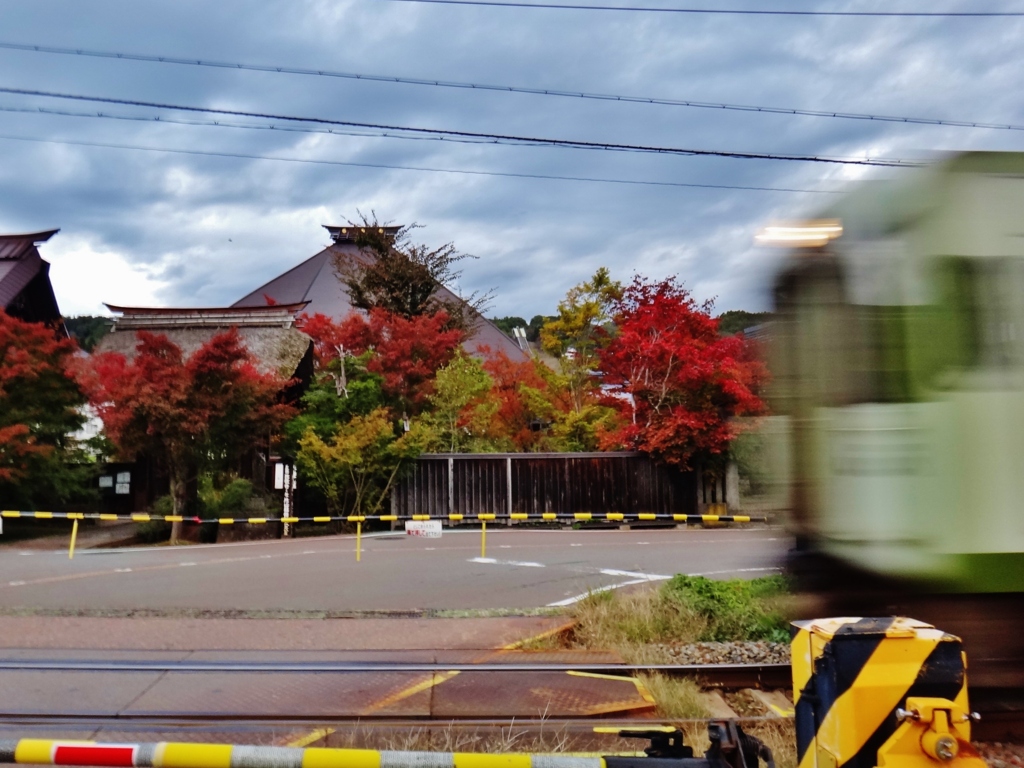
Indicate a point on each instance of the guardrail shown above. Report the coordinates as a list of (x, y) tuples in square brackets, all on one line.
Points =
[(482, 517)]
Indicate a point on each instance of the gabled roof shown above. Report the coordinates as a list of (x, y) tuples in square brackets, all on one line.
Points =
[(314, 281), (14, 247)]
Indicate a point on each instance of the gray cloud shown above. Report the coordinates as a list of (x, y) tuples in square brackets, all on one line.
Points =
[(183, 229)]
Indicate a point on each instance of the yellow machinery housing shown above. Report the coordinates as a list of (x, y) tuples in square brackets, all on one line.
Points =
[(880, 692)]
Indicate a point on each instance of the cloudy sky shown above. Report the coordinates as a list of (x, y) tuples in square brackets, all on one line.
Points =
[(210, 221)]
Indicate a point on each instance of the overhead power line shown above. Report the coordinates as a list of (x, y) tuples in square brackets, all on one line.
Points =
[(729, 11), (496, 138), (656, 100), (385, 166)]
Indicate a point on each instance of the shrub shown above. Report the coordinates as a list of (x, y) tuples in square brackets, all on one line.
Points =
[(156, 531), (736, 609)]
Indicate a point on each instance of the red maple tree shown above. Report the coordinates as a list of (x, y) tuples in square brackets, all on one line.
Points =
[(38, 396), (678, 384), (208, 408), (524, 398), (406, 352)]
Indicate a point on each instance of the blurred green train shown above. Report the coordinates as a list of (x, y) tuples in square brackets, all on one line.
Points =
[(898, 359)]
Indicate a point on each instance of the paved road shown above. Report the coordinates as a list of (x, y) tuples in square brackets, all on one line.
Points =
[(524, 569)]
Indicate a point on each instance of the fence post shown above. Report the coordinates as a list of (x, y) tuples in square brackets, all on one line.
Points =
[(451, 485), (508, 484)]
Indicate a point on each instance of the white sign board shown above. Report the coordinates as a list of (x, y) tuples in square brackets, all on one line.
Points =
[(431, 529)]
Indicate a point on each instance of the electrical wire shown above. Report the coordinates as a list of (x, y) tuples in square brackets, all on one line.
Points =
[(313, 161), (656, 100), (729, 11), (492, 137)]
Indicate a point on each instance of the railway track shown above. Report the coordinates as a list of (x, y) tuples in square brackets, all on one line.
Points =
[(1001, 705), (724, 676)]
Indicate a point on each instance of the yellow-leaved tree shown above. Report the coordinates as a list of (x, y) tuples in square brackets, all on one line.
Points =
[(357, 467)]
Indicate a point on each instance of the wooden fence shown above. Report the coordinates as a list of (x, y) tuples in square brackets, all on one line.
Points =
[(535, 483)]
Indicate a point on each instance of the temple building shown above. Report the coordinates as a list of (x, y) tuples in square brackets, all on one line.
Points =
[(315, 282), (25, 290)]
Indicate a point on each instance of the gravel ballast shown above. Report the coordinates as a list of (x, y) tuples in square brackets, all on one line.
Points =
[(739, 652)]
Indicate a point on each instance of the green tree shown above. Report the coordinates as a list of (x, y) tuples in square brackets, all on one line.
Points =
[(735, 320), (508, 324), (536, 323), (403, 278), (576, 334), (88, 330), (322, 408), (356, 468), (461, 411)]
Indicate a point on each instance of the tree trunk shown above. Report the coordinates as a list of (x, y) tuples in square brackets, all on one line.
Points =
[(179, 497)]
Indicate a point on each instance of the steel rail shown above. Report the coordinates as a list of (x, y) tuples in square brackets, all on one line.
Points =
[(719, 675)]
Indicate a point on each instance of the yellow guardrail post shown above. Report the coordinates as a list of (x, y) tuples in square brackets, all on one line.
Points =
[(74, 535)]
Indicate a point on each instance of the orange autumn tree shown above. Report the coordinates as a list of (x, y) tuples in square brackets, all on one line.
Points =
[(185, 413), (39, 412)]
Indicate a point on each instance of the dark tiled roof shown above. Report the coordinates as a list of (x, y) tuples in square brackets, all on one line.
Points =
[(15, 247), (20, 264), (15, 275), (315, 281)]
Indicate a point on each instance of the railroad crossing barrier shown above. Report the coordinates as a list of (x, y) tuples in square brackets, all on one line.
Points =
[(730, 748), (482, 517)]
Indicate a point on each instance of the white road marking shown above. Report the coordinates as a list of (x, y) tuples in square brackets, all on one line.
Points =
[(265, 557), (635, 575), (735, 570), (183, 565), (15, 583), (309, 552), (429, 549), (504, 546), (577, 598), (638, 578), (122, 570), (575, 545), (492, 561)]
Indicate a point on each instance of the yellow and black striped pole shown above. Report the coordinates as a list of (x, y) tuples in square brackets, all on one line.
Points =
[(581, 517)]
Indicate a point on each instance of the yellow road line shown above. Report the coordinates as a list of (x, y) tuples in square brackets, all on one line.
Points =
[(640, 687), (436, 679), (539, 636), (311, 737)]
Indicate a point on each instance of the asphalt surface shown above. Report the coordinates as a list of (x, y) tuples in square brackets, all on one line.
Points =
[(523, 569)]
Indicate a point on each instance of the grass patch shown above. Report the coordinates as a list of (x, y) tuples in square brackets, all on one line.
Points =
[(687, 609), (737, 609), (678, 698), (778, 736)]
